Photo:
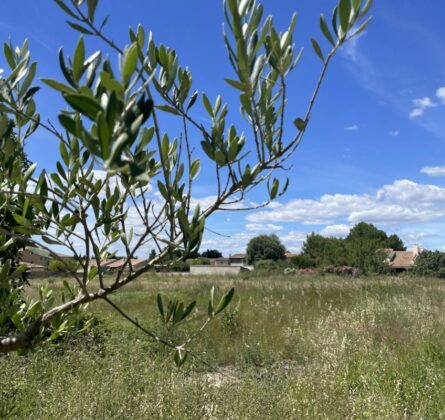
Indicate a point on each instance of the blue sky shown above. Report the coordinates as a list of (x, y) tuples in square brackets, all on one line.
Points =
[(375, 149)]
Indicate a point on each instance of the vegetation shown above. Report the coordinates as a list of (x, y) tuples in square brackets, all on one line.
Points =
[(294, 348), (211, 253), (363, 249), (115, 116), (265, 247), (430, 263), (199, 261), (68, 265)]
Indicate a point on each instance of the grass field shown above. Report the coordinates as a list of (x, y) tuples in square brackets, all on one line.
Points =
[(287, 348)]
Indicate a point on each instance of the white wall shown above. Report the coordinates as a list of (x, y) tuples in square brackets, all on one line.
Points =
[(199, 270)]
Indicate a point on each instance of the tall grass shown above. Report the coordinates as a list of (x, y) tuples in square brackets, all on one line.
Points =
[(287, 348)]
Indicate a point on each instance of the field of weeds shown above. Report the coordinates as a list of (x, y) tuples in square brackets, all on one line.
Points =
[(286, 348)]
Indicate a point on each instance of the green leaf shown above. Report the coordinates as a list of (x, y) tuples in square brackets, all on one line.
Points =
[(225, 300), (344, 12), (9, 55), (207, 104), (168, 109), (210, 310), (192, 100), (160, 306), (361, 28), (195, 168), (57, 85), (129, 62), (92, 4), (236, 84), (180, 357), (79, 28), (163, 190), (274, 189), (317, 49), (78, 60), (300, 124), (83, 104), (66, 72), (326, 32), (65, 8)]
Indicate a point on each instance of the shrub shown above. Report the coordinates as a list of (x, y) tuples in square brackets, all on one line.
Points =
[(269, 265), (302, 261), (199, 261), (430, 263), (341, 270), (68, 265)]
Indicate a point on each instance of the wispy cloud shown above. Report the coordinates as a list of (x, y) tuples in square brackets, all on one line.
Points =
[(433, 170), (263, 228), (352, 128), (420, 105), (394, 133)]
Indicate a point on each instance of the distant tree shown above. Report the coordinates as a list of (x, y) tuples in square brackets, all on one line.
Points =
[(211, 253), (365, 244), (302, 261), (430, 263), (325, 251), (395, 243), (152, 255), (265, 247)]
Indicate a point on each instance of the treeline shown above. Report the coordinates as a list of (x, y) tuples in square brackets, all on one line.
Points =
[(363, 248)]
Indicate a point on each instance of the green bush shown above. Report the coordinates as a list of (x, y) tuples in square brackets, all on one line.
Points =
[(430, 263), (68, 265), (269, 265), (302, 261), (199, 261)]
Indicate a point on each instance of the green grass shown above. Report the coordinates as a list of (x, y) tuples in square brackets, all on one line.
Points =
[(295, 348)]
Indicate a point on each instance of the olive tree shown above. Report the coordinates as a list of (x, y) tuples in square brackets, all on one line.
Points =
[(113, 118)]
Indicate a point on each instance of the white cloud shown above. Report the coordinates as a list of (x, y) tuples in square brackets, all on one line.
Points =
[(336, 231), (403, 200), (440, 93), (394, 133), (352, 128), (416, 112), (420, 105), (424, 103), (263, 227), (433, 170), (410, 192)]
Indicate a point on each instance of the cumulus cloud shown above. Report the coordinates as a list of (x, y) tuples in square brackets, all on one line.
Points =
[(433, 170), (440, 93), (352, 128), (420, 105), (401, 201), (263, 227), (335, 231), (410, 192)]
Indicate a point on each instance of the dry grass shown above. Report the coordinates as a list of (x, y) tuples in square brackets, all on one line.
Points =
[(296, 348)]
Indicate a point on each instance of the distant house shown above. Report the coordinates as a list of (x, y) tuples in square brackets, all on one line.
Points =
[(109, 265), (238, 260), (219, 261), (28, 257), (288, 255), (402, 260), (31, 258)]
